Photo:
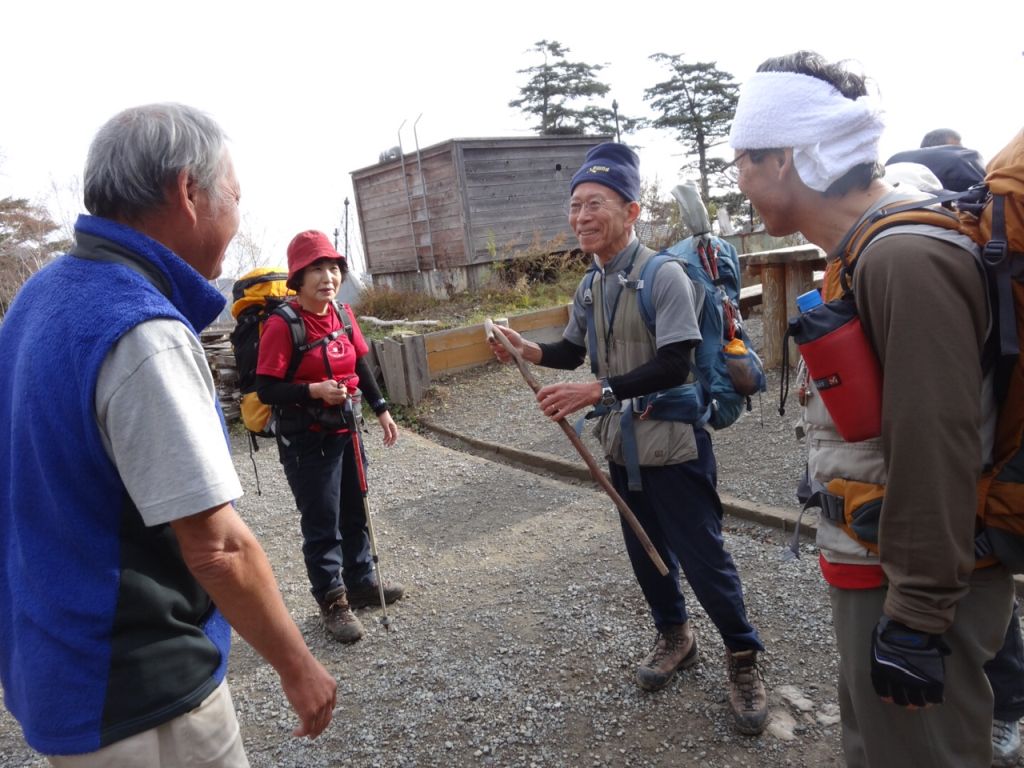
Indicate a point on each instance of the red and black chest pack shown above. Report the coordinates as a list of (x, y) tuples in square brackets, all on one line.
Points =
[(991, 214), (256, 296)]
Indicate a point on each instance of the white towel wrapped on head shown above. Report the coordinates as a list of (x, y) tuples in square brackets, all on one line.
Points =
[(829, 133)]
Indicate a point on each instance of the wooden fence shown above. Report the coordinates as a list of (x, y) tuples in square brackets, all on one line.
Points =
[(407, 363), (410, 362)]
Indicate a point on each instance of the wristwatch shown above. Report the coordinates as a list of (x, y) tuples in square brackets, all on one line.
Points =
[(608, 398)]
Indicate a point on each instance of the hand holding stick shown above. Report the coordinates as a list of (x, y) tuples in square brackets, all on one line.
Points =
[(595, 471)]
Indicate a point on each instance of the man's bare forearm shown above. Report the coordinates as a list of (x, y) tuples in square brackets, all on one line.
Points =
[(229, 563)]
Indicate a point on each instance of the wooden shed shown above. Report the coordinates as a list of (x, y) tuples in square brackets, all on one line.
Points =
[(435, 219)]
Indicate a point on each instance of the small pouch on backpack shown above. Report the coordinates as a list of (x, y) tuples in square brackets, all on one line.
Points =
[(291, 420), (684, 403), (330, 418), (862, 509), (744, 367)]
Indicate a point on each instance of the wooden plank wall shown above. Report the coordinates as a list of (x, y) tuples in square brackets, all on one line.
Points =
[(394, 243), (477, 201), (515, 195)]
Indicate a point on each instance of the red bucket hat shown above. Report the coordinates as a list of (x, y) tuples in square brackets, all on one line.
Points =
[(307, 247)]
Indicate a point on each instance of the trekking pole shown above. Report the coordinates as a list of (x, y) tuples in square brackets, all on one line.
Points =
[(364, 489), (595, 471)]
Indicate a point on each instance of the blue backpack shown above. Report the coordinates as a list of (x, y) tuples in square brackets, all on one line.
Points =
[(727, 369), (726, 366)]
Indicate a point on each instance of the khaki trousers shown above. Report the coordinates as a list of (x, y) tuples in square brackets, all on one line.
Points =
[(206, 737), (954, 734)]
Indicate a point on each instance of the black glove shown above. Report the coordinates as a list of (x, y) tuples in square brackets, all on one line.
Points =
[(907, 665)]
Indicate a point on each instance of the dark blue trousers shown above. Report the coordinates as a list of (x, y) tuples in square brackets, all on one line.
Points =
[(321, 472), (1005, 673), (680, 510)]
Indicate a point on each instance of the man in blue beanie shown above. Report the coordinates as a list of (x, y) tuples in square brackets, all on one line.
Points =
[(677, 503), (124, 563)]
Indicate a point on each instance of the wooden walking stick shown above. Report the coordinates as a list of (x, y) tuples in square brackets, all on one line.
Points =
[(595, 471)]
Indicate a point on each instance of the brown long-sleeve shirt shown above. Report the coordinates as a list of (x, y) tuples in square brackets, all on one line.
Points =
[(922, 303)]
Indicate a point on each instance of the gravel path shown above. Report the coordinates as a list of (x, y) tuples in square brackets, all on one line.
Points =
[(517, 642)]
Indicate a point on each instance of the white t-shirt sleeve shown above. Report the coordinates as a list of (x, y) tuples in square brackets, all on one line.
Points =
[(155, 409)]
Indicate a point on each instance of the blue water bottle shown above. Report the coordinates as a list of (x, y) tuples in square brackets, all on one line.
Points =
[(808, 301)]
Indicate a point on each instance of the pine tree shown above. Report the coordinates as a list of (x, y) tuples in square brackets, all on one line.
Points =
[(556, 84), (698, 102)]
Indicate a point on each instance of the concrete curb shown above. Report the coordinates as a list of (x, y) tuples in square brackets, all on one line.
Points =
[(774, 517)]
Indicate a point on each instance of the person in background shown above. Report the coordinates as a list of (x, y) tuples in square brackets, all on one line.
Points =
[(940, 136), (915, 623), (315, 446), (678, 505), (957, 167), (1006, 671), (125, 565)]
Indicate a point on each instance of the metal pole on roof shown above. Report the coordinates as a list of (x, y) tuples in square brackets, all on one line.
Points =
[(347, 254), (423, 192), (408, 198)]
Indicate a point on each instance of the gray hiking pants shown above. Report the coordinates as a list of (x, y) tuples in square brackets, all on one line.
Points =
[(954, 734)]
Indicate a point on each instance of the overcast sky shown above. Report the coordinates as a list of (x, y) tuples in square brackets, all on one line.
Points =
[(311, 91)]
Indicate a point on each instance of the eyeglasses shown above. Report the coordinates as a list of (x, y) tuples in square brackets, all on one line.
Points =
[(593, 205), (731, 170)]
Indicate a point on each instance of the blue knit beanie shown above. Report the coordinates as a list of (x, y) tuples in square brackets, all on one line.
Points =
[(614, 165)]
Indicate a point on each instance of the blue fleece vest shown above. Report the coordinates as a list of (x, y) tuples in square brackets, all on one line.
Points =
[(103, 631)]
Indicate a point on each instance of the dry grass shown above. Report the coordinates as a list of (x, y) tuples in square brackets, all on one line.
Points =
[(541, 276)]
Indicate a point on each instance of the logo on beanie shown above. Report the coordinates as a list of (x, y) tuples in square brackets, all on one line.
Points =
[(599, 169)]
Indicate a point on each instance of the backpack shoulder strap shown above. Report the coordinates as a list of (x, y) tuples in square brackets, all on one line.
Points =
[(588, 309), (297, 328), (936, 217), (914, 212), (342, 311), (646, 287)]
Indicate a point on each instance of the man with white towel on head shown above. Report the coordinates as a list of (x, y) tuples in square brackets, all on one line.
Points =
[(915, 618)]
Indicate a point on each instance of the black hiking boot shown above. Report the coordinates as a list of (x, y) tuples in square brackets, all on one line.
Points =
[(675, 648)]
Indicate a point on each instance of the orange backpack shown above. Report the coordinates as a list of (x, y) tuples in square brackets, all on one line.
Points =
[(992, 214)]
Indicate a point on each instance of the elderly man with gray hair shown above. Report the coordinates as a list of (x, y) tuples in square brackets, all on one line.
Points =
[(125, 565), (915, 616)]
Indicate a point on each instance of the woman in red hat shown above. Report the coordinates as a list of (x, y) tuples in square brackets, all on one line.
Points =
[(316, 448)]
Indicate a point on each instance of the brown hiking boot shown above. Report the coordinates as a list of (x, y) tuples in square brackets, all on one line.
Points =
[(747, 697), (675, 648), (338, 618), (369, 594)]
